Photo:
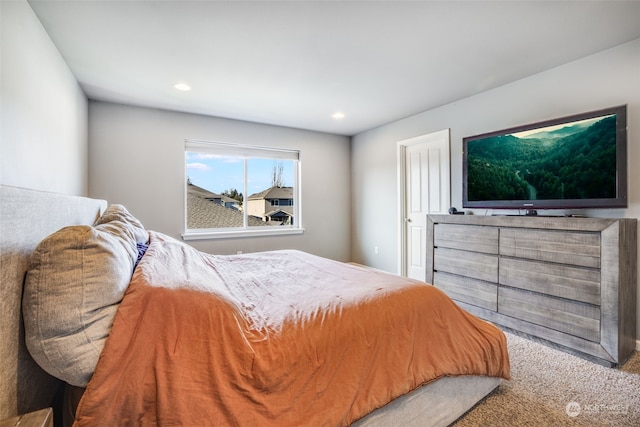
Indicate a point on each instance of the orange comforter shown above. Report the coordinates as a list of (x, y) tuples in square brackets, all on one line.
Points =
[(278, 338)]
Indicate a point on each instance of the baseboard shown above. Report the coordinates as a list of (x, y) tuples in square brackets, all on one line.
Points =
[(637, 345)]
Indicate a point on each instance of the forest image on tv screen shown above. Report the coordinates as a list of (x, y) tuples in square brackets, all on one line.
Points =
[(570, 161)]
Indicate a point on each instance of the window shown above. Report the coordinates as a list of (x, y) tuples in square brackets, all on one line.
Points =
[(234, 190)]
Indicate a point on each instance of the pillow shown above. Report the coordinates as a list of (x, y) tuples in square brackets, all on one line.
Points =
[(75, 281)]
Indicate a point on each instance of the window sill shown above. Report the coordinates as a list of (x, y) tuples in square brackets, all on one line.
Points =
[(236, 234)]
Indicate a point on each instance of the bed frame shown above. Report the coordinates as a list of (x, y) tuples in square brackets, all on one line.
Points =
[(28, 216)]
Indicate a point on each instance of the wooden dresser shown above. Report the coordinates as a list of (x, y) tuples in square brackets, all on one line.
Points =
[(570, 282)]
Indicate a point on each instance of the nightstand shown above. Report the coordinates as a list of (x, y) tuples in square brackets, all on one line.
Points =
[(41, 418)]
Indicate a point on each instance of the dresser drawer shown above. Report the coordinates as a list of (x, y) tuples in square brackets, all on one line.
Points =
[(563, 247), (575, 283), (577, 319), (467, 237), (472, 291), (469, 264)]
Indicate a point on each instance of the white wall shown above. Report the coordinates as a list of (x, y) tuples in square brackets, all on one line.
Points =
[(43, 110), (136, 158), (609, 78)]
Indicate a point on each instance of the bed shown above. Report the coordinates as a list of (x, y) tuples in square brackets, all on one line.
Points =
[(285, 359)]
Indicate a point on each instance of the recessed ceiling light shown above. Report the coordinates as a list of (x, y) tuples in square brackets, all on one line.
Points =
[(182, 86), (338, 115)]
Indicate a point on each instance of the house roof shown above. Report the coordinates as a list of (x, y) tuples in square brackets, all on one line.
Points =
[(202, 192), (203, 213), (273, 193), (286, 209)]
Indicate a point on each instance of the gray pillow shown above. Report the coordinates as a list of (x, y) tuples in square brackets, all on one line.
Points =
[(76, 279)]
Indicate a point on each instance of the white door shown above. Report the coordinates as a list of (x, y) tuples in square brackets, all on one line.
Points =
[(426, 189)]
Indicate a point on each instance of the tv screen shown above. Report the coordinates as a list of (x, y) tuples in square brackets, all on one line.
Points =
[(572, 162)]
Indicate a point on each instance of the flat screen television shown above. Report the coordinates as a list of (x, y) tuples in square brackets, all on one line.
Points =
[(572, 162)]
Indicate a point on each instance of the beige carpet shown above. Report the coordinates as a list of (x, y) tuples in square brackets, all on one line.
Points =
[(553, 388)]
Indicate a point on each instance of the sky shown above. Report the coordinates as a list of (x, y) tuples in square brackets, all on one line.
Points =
[(217, 174), (560, 126)]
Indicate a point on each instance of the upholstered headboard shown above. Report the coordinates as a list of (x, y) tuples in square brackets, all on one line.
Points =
[(26, 217)]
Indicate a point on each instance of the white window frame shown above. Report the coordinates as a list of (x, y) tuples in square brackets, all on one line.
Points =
[(245, 152)]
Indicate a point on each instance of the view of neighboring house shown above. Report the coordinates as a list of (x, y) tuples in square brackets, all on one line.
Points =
[(220, 199), (205, 209), (210, 210), (273, 205)]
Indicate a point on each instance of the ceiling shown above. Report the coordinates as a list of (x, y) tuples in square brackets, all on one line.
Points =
[(295, 63)]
